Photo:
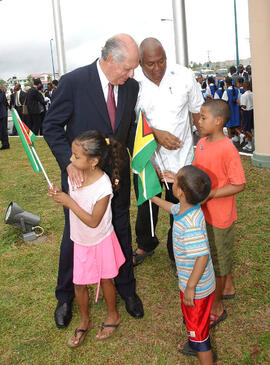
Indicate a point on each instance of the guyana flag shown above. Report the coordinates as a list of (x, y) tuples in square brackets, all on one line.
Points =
[(27, 138), (148, 183), (144, 146)]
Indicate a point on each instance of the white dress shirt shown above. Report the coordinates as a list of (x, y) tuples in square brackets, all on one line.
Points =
[(167, 107), (17, 99), (104, 83), (247, 100)]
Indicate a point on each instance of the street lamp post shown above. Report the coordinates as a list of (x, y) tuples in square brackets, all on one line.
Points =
[(180, 32), (236, 34), (52, 58), (59, 37)]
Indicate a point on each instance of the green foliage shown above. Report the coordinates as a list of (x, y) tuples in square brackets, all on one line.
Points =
[(29, 81), (28, 274), (3, 83)]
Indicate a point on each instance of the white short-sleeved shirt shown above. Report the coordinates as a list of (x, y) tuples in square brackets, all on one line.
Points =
[(225, 94), (247, 100), (208, 90), (86, 197), (167, 107)]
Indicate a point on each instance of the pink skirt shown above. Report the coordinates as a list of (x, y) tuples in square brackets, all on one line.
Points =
[(101, 261)]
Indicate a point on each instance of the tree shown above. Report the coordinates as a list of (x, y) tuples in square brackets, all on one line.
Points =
[(3, 83), (29, 81)]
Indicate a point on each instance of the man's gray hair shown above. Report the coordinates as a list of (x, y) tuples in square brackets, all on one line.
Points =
[(116, 47)]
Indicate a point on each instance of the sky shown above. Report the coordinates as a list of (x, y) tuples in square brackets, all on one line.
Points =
[(27, 27)]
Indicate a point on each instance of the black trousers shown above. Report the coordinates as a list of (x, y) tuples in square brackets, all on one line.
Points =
[(35, 121), (144, 237), (23, 117), (125, 282), (19, 110), (4, 131)]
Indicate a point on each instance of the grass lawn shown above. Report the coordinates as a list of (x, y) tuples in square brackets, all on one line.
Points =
[(28, 273)]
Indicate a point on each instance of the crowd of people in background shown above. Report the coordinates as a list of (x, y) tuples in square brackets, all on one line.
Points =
[(236, 90), (31, 104)]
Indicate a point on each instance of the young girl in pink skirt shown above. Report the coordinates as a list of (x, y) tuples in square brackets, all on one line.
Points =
[(97, 252)]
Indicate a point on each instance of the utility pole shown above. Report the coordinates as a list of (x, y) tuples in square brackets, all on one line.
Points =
[(236, 34), (52, 58), (58, 28), (180, 32), (208, 58)]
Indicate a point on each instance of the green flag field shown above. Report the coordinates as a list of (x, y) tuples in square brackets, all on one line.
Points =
[(28, 274)]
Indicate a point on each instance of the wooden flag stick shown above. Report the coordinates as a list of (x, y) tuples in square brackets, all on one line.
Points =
[(161, 170), (42, 168), (151, 218)]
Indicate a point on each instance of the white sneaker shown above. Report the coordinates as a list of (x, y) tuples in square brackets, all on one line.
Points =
[(235, 139), (247, 147), (242, 138), (225, 131)]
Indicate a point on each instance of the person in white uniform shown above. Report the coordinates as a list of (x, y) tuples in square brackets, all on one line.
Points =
[(166, 96)]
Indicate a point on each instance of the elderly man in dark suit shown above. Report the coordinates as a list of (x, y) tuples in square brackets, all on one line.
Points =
[(80, 104)]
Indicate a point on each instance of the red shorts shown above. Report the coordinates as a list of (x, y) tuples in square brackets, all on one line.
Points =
[(197, 321)]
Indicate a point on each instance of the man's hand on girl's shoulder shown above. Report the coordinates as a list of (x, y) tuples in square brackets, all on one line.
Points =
[(75, 176)]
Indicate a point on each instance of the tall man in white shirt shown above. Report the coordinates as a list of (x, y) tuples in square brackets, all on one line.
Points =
[(167, 95)]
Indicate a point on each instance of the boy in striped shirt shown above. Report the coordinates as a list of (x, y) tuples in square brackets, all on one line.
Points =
[(192, 255)]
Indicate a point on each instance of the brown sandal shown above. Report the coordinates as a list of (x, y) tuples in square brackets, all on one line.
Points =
[(103, 326), (71, 342)]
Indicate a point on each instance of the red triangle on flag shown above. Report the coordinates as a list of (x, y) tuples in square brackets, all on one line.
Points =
[(146, 130)]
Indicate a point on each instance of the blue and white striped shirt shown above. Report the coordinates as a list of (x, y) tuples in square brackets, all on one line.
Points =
[(189, 242)]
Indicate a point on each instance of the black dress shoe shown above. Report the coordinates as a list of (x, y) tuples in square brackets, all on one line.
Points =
[(63, 315), (139, 258), (4, 148), (134, 306)]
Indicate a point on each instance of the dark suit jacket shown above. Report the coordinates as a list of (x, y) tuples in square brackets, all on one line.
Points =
[(34, 99), (13, 98), (3, 105), (79, 104)]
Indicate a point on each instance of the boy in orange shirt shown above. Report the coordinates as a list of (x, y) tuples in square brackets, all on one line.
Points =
[(217, 156)]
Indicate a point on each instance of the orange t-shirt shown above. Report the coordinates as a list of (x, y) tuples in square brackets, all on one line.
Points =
[(221, 161)]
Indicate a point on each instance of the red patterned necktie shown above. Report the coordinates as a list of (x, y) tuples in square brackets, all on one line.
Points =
[(111, 105)]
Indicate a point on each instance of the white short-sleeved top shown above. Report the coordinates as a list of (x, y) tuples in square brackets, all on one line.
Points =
[(167, 107), (86, 197), (247, 100)]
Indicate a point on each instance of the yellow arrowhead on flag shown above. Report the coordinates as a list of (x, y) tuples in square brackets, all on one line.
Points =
[(144, 145)]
